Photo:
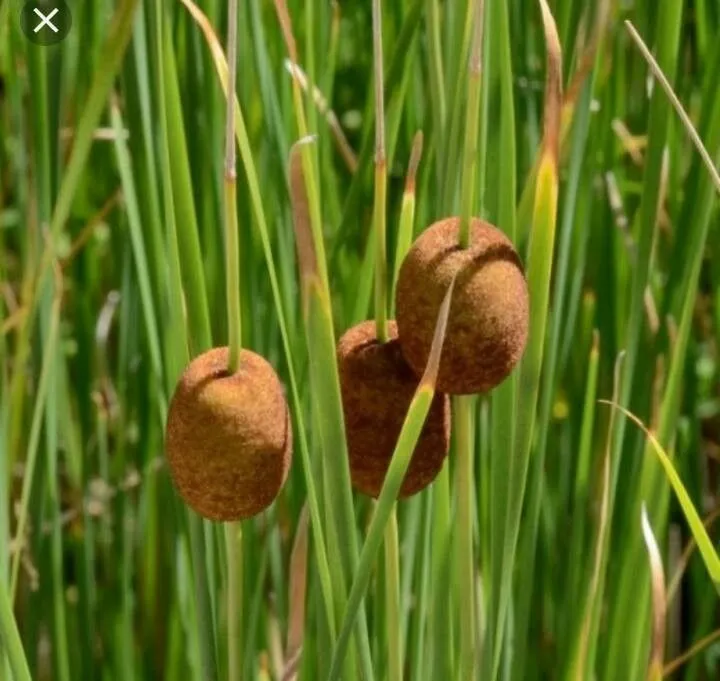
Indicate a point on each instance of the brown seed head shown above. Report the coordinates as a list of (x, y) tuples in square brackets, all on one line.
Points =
[(228, 437), (488, 323), (377, 387)]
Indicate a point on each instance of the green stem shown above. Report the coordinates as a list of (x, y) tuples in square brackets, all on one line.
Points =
[(233, 275), (467, 196), (231, 220), (464, 410), (380, 182), (392, 598), (464, 405), (407, 211), (233, 541), (233, 530), (381, 255), (206, 633)]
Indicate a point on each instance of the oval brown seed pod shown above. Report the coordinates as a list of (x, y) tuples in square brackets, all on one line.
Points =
[(489, 315), (228, 436), (377, 387)]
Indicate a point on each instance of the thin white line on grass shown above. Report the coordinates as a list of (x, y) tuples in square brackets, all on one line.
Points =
[(657, 72)]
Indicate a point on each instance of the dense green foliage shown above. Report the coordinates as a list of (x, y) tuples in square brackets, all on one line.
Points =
[(525, 559)]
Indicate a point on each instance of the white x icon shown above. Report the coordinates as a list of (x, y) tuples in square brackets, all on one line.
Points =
[(46, 20)]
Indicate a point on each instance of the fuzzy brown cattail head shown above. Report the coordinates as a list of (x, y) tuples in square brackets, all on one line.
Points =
[(377, 387), (228, 436), (488, 324)]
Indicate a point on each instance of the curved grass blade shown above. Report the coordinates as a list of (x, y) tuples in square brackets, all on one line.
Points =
[(705, 545), (413, 424)]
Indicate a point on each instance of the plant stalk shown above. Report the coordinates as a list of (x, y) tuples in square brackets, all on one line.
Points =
[(233, 530), (380, 181), (231, 221), (467, 197)]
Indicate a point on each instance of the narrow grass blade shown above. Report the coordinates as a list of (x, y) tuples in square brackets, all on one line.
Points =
[(504, 397), (48, 366), (139, 253), (657, 575), (380, 201), (298, 588), (392, 598), (117, 40), (11, 639), (317, 315), (693, 651), (540, 261), (687, 123), (186, 225)]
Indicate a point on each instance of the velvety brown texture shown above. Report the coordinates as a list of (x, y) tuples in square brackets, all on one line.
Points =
[(377, 387), (228, 437), (489, 314)]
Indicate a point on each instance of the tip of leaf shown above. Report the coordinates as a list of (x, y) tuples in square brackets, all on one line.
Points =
[(433, 366), (301, 212), (553, 85), (659, 597), (414, 163)]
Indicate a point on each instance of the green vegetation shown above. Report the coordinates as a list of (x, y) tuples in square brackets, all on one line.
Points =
[(571, 532)]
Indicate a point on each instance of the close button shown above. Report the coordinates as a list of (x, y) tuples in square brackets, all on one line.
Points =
[(45, 22)]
